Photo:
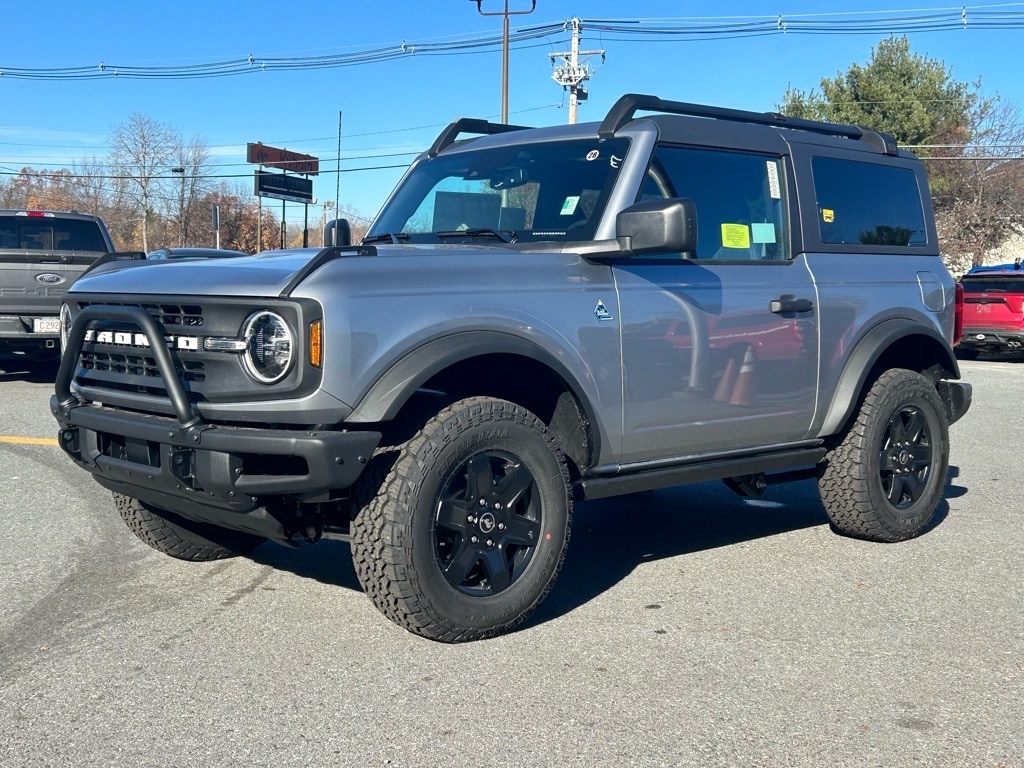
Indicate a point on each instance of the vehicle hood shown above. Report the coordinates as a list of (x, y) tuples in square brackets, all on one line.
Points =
[(265, 274)]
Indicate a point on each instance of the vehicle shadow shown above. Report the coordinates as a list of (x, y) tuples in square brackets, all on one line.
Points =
[(16, 368), (612, 537)]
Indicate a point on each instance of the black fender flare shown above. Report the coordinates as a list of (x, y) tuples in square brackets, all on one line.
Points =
[(862, 360), (390, 392)]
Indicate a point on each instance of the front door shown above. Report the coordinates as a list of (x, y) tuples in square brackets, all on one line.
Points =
[(720, 349)]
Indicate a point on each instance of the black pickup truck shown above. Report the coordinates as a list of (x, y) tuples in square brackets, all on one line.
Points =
[(41, 254)]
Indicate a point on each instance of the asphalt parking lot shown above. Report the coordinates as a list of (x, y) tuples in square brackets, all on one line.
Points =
[(689, 628)]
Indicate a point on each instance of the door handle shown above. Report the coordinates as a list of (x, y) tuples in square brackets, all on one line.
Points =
[(790, 303)]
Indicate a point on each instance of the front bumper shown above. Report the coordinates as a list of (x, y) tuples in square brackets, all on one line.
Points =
[(203, 471), (215, 466)]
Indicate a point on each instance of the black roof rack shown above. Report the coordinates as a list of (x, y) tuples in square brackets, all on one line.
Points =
[(468, 125), (625, 108)]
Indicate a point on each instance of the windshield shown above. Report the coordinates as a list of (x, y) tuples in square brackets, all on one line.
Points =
[(544, 191)]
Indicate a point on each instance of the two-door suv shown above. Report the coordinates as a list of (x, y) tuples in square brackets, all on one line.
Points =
[(536, 317)]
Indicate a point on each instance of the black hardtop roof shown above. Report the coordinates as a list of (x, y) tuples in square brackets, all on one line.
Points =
[(625, 108)]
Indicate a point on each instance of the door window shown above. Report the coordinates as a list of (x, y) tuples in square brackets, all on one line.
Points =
[(741, 211)]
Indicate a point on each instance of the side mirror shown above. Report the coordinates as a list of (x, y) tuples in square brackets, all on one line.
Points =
[(658, 226), (337, 232)]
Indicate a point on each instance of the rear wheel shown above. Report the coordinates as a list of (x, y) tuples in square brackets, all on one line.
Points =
[(469, 528), (885, 479), (180, 538)]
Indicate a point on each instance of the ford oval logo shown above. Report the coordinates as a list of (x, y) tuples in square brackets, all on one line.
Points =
[(49, 278)]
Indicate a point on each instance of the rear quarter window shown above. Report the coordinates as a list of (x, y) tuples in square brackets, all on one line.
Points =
[(861, 203)]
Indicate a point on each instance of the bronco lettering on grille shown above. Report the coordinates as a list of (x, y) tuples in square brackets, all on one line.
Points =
[(129, 339)]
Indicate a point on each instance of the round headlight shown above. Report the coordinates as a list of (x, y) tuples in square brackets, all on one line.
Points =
[(65, 326), (268, 356)]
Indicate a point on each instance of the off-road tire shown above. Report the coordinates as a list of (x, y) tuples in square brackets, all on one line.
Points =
[(180, 538), (480, 470), (884, 481)]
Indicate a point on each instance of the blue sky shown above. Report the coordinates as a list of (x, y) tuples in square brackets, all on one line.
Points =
[(392, 109)]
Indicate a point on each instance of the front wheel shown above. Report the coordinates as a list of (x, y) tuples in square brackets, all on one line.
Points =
[(180, 538), (469, 529), (884, 481)]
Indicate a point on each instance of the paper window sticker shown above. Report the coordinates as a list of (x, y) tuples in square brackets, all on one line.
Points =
[(735, 236), (570, 204), (773, 180), (763, 233), (828, 215)]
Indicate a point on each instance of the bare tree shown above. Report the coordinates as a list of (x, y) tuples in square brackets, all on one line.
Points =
[(981, 204), (191, 161), (142, 152), (92, 185), (971, 144)]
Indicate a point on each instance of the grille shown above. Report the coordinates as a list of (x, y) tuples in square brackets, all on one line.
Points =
[(138, 365), (116, 366), (182, 315)]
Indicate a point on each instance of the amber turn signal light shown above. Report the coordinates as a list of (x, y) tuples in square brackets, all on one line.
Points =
[(316, 348)]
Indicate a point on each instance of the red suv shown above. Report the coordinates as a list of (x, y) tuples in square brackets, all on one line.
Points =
[(993, 310)]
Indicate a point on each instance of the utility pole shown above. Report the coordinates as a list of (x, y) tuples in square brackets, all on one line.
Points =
[(180, 170), (504, 47), (572, 73)]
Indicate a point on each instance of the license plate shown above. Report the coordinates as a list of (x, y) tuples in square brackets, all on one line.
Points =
[(46, 325)]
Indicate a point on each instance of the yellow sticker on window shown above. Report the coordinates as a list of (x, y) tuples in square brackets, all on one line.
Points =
[(735, 236), (828, 215)]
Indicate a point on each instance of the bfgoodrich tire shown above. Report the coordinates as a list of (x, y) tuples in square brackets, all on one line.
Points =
[(884, 481), (180, 538), (469, 528)]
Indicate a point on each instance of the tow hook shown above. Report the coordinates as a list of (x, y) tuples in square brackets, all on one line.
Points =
[(181, 464), (68, 439)]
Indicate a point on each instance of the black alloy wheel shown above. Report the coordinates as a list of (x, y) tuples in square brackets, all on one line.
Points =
[(469, 523), (885, 478), (905, 460), (488, 523)]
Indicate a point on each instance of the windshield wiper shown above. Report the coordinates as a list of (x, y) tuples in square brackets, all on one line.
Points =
[(505, 235), (386, 237)]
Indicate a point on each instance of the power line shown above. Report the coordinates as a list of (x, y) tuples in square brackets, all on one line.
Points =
[(686, 29), (255, 64)]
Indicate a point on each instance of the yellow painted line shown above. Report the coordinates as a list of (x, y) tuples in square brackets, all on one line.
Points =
[(28, 440)]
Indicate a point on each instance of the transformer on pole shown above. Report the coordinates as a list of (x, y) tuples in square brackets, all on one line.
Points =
[(572, 72)]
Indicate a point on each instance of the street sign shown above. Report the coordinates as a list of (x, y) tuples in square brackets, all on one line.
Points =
[(282, 158), (283, 187)]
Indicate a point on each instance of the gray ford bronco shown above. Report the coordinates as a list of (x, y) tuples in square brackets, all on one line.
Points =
[(537, 317)]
